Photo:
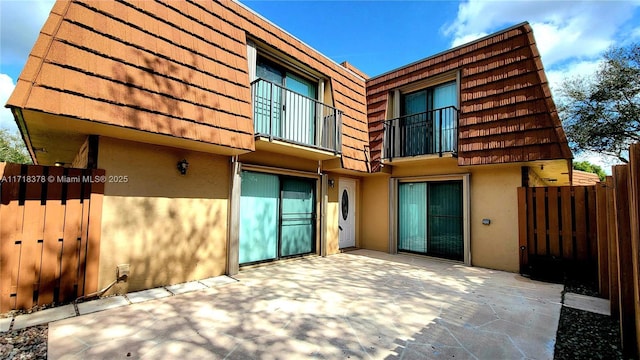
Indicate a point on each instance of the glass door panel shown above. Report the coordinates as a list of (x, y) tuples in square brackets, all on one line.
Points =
[(445, 95), (413, 125), (259, 208), (267, 106), (445, 220), (299, 123), (412, 215)]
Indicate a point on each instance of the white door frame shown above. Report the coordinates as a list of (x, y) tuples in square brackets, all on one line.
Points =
[(348, 225)]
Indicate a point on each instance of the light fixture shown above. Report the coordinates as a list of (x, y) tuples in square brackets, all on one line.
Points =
[(183, 165), (59, 163), (332, 183)]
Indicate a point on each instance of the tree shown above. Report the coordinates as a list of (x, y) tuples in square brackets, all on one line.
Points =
[(12, 148), (589, 167), (602, 113)]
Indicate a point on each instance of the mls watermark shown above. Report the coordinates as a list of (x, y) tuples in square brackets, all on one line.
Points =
[(66, 179)]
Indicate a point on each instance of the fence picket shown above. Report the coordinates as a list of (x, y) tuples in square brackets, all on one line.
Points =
[(30, 250), (555, 248), (602, 240), (612, 234), (567, 223), (49, 278), (70, 246), (541, 222)]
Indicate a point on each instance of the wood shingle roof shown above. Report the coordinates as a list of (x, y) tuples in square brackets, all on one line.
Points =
[(506, 110)]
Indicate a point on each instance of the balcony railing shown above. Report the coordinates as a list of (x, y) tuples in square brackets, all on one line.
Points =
[(430, 132), (281, 114)]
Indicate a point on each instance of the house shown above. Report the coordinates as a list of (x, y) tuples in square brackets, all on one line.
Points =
[(584, 178), (228, 142)]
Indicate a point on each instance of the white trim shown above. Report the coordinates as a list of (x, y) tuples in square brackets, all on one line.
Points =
[(252, 59)]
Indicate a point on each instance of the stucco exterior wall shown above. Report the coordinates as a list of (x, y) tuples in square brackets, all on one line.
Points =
[(169, 227), (375, 213), (494, 196)]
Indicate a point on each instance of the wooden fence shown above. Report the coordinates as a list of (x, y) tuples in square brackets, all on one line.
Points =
[(622, 235), (558, 232), (49, 234), (594, 230)]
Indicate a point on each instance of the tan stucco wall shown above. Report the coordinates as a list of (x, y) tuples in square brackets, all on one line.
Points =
[(169, 227), (375, 213), (493, 195)]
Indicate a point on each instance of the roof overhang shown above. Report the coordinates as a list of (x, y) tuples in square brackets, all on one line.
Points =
[(56, 138)]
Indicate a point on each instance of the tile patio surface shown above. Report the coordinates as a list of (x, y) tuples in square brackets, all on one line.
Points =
[(362, 304)]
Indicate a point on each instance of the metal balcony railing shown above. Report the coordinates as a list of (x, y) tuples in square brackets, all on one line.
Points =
[(429, 132), (281, 114)]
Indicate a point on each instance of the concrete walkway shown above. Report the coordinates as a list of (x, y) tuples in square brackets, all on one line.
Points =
[(362, 304)]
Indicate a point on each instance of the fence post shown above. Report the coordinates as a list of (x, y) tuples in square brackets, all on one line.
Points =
[(625, 263), (634, 221)]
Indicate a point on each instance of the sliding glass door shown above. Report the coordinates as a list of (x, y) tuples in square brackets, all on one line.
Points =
[(430, 219), (277, 217)]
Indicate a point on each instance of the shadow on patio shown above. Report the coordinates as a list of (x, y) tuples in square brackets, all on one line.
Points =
[(362, 304)]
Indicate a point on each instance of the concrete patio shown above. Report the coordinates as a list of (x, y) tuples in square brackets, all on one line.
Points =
[(362, 304)]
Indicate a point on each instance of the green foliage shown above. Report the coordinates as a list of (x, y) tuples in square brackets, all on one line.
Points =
[(602, 113), (589, 167), (12, 148)]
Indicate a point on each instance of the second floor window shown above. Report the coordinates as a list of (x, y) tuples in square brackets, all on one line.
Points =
[(272, 72), (285, 105), (427, 119)]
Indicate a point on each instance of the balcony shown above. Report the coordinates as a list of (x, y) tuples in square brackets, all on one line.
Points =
[(283, 116), (427, 133)]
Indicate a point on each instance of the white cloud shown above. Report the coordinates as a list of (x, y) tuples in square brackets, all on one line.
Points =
[(570, 35), (20, 24), (6, 88), (467, 38)]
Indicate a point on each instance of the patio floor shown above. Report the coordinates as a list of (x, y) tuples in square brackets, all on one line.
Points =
[(361, 304)]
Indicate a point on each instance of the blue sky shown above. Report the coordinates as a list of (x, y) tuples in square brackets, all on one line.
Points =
[(377, 36)]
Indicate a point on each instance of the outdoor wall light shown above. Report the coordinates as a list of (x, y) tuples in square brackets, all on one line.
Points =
[(183, 165), (332, 183)]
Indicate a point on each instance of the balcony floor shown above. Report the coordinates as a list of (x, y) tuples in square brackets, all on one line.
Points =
[(282, 147)]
